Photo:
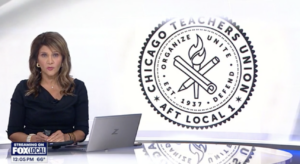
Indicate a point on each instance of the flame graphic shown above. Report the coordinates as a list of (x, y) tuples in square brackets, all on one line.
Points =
[(197, 52), (198, 149)]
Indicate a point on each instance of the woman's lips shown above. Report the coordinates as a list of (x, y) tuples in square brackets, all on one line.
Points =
[(50, 68)]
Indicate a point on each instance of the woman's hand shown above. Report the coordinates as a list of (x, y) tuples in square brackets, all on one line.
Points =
[(57, 136), (39, 137)]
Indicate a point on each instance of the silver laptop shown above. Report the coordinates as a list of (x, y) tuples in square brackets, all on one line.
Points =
[(112, 132)]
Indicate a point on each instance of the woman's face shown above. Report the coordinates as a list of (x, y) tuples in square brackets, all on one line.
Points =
[(50, 61)]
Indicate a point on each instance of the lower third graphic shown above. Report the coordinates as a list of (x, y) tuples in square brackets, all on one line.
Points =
[(29, 152)]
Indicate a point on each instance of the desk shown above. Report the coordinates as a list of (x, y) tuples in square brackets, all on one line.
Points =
[(164, 153)]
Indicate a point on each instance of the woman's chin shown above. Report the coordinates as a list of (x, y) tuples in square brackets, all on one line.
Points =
[(50, 74)]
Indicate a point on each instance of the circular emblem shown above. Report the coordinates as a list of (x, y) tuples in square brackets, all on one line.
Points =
[(196, 153), (198, 72)]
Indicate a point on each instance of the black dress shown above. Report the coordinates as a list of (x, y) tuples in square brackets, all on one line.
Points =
[(31, 114)]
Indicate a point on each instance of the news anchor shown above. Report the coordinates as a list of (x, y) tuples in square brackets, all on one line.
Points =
[(50, 100)]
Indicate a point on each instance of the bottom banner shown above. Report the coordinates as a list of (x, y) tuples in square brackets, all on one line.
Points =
[(29, 152)]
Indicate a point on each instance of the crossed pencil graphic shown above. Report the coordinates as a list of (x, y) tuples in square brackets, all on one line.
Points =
[(196, 73)]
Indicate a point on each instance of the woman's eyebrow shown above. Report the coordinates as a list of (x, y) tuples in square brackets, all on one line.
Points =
[(55, 51), (51, 52)]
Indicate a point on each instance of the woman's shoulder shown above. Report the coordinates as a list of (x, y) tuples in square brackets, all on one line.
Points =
[(79, 83), (21, 88), (22, 84)]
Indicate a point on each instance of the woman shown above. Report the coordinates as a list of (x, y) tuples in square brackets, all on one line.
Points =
[(50, 100)]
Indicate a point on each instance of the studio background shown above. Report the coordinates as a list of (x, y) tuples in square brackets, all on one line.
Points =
[(105, 39)]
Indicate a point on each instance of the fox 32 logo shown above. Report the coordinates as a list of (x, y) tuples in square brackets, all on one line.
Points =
[(28, 152)]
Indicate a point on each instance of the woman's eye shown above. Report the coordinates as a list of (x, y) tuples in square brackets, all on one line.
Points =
[(44, 55), (55, 55)]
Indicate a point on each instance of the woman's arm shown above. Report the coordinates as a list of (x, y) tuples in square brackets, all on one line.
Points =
[(15, 129), (78, 136), (18, 137), (81, 114), (58, 136), (22, 137)]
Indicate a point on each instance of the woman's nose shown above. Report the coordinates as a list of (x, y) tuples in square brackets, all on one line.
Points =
[(50, 60)]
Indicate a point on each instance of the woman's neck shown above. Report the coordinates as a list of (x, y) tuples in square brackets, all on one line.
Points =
[(49, 81)]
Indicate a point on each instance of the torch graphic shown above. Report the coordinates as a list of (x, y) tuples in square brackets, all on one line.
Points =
[(196, 72), (197, 55)]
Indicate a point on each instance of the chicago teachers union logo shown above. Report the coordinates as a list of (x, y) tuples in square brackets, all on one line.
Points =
[(198, 153), (198, 72)]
